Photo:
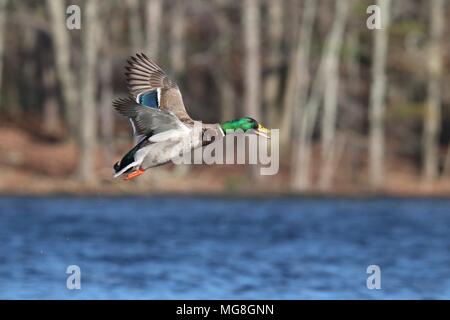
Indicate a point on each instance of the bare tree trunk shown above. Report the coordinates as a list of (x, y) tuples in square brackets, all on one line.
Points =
[(225, 85), (88, 121), (177, 48), (354, 121), (134, 25), (302, 177), (272, 83), (432, 120), (61, 44), (377, 99), (297, 85), (177, 44), (295, 97), (252, 65), (328, 130), (153, 17), (252, 61), (222, 71), (3, 4)]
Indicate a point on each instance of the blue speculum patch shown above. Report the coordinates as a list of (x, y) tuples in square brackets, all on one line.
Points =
[(149, 99)]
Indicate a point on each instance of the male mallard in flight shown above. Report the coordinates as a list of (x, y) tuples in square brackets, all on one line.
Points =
[(160, 121)]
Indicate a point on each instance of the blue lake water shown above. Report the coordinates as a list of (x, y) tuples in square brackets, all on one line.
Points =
[(212, 248)]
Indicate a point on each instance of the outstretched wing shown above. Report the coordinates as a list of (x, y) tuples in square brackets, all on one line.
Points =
[(151, 87), (147, 121)]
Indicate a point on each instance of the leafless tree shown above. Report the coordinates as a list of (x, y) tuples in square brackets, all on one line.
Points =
[(275, 57), (88, 117), (252, 63), (296, 95), (66, 74), (328, 129), (223, 71), (298, 75), (177, 37), (432, 119), (153, 25), (377, 99), (134, 25)]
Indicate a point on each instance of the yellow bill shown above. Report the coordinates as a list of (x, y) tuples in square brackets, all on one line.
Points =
[(262, 131)]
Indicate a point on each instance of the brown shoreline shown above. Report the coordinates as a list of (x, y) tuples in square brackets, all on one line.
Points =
[(33, 166)]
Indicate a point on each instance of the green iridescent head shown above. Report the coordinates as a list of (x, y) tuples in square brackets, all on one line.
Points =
[(244, 124)]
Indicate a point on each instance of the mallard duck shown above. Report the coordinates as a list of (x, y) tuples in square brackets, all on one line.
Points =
[(159, 119)]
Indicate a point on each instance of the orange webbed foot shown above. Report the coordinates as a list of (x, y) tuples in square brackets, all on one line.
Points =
[(134, 174)]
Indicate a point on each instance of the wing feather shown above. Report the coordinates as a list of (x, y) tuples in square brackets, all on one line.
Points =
[(147, 121), (144, 76)]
